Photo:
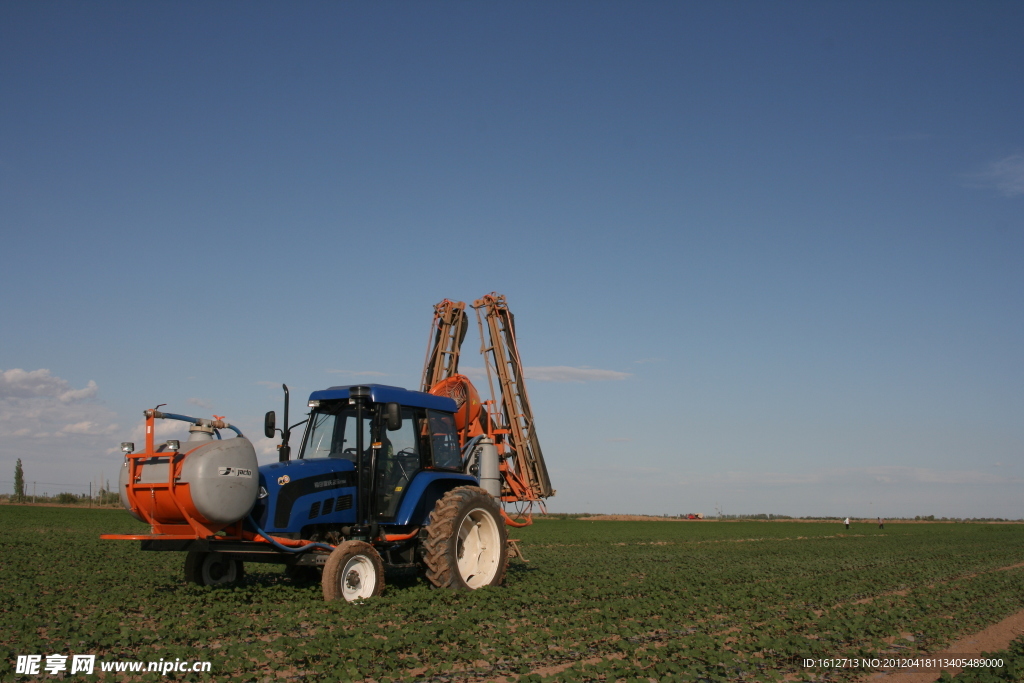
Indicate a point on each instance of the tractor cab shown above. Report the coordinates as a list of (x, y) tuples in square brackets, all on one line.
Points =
[(364, 449)]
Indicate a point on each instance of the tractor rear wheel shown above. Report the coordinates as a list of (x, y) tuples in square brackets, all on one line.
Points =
[(354, 571), (212, 569), (466, 541)]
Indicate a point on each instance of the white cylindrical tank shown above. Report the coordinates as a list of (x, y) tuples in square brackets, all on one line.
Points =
[(487, 461), (222, 478)]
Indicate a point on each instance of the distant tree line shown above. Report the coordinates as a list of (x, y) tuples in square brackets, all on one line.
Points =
[(102, 497)]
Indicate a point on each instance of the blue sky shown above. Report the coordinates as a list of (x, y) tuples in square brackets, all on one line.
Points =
[(779, 243)]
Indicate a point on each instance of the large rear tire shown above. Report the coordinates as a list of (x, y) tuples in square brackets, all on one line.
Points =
[(213, 569), (354, 571), (466, 541)]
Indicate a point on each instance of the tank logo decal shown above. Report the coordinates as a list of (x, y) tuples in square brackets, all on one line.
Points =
[(234, 472)]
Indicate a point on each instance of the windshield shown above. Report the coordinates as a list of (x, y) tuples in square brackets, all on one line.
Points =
[(332, 434)]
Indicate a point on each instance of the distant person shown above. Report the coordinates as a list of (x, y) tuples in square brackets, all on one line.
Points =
[(847, 522), (881, 523)]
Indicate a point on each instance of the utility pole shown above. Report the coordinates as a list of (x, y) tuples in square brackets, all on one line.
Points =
[(33, 492)]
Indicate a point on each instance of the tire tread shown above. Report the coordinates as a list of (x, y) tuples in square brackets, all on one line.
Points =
[(336, 563)]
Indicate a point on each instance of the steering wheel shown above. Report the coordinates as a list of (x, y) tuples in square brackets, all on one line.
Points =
[(406, 458)]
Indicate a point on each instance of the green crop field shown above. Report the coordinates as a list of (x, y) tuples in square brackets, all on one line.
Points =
[(597, 601)]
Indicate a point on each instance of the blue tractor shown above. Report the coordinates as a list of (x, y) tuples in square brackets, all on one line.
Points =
[(384, 478)]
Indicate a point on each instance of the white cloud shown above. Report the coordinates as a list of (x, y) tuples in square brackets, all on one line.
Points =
[(957, 477), (268, 448), (201, 402), (18, 383), (362, 373), (62, 434), (37, 405), (1006, 175), (162, 430), (88, 427), (555, 373), (475, 374)]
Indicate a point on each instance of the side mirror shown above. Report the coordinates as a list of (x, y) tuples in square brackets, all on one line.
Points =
[(394, 413), (269, 424)]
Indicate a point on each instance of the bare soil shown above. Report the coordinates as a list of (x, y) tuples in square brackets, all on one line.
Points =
[(996, 637)]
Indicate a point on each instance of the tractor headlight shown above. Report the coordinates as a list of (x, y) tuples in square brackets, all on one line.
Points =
[(127, 446), (314, 403)]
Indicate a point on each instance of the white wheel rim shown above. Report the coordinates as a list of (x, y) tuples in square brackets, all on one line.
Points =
[(219, 569), (358, 579), (478, 549)]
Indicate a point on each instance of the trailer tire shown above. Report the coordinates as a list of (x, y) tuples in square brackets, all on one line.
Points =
[(213, 569), (354, 571), (466, 545)]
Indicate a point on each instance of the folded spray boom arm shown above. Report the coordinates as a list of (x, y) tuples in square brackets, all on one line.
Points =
[(507, 418)]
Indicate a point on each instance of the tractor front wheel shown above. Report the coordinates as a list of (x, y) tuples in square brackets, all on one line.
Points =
[(466, 541), (354, 571), (212, 569)]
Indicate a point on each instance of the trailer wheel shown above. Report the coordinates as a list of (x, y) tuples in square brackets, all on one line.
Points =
[(354, 571), (212, 569), (466, 541)]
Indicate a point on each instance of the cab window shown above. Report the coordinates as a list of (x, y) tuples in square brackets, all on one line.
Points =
[(398, 461), (444, 440)]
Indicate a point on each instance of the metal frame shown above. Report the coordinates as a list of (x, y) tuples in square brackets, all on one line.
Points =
[(517, 415), (449, 330), (511, 426)]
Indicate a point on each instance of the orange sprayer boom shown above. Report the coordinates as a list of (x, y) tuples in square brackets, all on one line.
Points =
[(508, 421), (502, 356), (448, 331)]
